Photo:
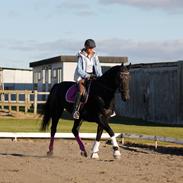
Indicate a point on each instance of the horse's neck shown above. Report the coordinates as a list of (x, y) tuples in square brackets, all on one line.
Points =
[(108, 82), (105, 88)]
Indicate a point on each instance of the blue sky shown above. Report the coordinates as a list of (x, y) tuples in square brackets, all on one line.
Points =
[(145, 31)]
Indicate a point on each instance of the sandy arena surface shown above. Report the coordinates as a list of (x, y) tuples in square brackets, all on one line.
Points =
[(26, 161)]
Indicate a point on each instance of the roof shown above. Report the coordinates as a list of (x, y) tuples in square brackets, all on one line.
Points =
[(67, 58), (10, 68), (157, 64)]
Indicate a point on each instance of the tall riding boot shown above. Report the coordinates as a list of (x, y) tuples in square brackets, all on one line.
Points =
[(75, 113)]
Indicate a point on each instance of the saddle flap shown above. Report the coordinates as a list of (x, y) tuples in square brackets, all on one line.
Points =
[(71, 93)]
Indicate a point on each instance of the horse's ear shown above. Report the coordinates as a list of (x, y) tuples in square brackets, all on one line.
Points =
[(128, 66), (122, 64)]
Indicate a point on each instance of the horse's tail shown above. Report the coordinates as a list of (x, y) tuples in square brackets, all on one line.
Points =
[(47, 114)]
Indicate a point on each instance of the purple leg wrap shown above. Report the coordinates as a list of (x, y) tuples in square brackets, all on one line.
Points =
[(51, 144), (81, 145)]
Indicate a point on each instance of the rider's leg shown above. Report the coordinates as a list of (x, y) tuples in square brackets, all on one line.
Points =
[(76, 114)]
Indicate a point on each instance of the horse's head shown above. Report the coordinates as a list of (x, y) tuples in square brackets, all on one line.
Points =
[(123, 81)]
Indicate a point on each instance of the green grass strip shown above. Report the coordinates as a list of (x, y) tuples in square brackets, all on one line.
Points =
[(33, 125)]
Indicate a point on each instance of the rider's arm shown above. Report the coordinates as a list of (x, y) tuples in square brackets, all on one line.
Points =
[(98, 67), (80, 68)]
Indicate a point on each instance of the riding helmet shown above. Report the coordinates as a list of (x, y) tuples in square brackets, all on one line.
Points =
[(90, 43)]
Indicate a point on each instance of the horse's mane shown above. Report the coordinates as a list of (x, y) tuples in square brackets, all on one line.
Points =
[(111, 72)]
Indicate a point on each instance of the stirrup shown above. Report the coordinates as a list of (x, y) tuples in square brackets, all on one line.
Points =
[(76, 115)]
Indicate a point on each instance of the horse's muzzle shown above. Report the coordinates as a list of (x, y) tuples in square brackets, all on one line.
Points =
[(125, 97)]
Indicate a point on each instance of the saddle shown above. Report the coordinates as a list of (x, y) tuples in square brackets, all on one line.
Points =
[(72, 91)]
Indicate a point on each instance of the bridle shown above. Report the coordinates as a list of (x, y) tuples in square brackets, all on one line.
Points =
[(123, 76)]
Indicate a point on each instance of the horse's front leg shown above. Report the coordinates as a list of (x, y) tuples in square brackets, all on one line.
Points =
[(95, 148), (104, 123), (75, 131)]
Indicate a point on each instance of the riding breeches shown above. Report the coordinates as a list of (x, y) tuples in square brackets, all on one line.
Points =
[(81, 86)]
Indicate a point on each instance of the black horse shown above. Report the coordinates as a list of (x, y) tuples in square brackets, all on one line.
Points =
[(98, 107)]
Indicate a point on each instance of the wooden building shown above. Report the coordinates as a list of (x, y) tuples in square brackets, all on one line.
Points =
[(156, 93)]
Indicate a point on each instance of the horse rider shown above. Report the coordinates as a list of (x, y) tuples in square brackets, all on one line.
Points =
[(87, 66)]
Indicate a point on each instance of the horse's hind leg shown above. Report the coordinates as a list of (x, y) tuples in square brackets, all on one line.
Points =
[(96, 144), (75, 131), (55, 120)]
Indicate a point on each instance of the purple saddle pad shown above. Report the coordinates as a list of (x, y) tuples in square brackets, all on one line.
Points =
[(71, 93)]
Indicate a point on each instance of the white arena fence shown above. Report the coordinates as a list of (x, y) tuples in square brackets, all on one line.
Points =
[(90, 136), (29, 135)]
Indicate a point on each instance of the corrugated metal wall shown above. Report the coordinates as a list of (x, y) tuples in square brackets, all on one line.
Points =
[(156, 93)]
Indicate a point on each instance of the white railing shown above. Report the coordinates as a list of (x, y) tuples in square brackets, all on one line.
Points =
[(105, 136)]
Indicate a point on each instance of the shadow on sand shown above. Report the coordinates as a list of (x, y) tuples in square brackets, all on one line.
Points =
[(23, 155), (147, 149)]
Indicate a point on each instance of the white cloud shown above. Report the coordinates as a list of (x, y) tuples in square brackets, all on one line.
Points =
[(73, 4), (143, 50), (137, 51), (80, 7), (167, 5), (57, 45)]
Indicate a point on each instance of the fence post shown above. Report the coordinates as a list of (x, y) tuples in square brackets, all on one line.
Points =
[(9, 101), (2, 100), (26, 101), (122, 139), (17, 101), (156, 142), (35, 101)]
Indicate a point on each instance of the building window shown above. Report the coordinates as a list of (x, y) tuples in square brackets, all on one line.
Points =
[(44, 76), (49, 76), (39, 76), (59, 75), (54, 73), (35, 77)]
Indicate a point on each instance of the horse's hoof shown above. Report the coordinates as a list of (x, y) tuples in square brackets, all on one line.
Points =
[(50, 153), (117, 154), (94, 156), (84, 153)]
